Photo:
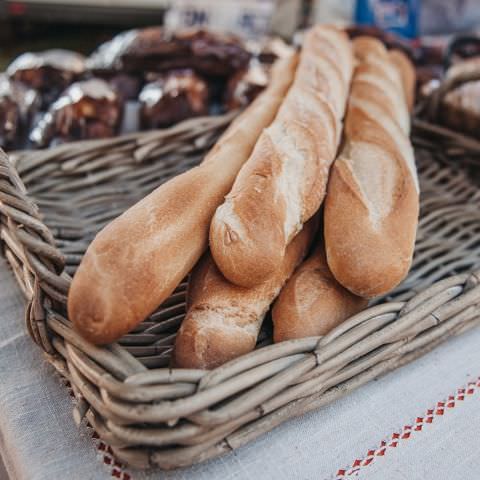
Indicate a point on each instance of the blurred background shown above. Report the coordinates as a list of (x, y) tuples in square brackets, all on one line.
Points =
[(83, 24), (93, 69), (90, 69)]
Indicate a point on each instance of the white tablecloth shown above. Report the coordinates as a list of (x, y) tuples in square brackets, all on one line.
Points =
[(429, 427)]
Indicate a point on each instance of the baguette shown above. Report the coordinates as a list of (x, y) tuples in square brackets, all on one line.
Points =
[(407, 75), (372, 204), (136, 262), (223, 320), (284, 181), (312, 302)]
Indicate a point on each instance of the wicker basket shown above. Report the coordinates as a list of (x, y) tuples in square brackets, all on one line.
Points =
[(52, 203), (449, 146)]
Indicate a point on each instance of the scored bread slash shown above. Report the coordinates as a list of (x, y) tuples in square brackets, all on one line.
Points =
[(372, 203), (283, 183)]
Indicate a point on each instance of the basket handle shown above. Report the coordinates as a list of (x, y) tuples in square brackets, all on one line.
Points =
[(448, 84), (456, 44), (29, 243)]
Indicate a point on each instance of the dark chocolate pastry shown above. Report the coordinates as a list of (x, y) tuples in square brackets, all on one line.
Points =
[(127, 86), (155, 49), (49, 72), (245, 85), (86, 110), (17, 106), (174, 96)]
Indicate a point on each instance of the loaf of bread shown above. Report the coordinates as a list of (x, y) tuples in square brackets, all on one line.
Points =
[(136, 262), (284, 181), (223, 319), (312, 302), (372, 204)]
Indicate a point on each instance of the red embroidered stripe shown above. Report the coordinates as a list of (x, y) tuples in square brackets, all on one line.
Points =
[(408, 431)]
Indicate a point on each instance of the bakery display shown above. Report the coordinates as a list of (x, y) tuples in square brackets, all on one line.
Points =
[(372, 204), (143, 255), (18, 104), (164, 77), (223, 320), (284, 181), (85, 110), (155, 49), (49, 72), (174, 96), (127, 86)]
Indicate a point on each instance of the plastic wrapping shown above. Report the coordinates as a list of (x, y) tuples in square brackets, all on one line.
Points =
[(172, 97), (17, 106), (155, 49), (86, 110), (49, 72), (127, 86), (154, 78)]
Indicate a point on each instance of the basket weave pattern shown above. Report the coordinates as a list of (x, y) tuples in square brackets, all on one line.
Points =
[(53, 202)]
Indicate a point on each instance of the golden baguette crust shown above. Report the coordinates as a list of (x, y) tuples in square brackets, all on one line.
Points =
[(371, 208), (407, 74), (137, 260), (223, 320), (312, 302), (284, 181)]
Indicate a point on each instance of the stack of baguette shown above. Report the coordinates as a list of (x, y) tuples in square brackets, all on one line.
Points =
[(320, 162)]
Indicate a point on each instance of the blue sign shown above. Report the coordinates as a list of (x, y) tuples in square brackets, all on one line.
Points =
[(397, 16)]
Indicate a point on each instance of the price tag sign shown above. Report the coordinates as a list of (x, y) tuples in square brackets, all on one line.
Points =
[(246, 18)]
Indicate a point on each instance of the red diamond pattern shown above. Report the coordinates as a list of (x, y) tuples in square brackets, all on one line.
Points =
[(407, 430)]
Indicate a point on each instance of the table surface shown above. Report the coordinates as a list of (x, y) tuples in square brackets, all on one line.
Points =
[(420, 422)]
